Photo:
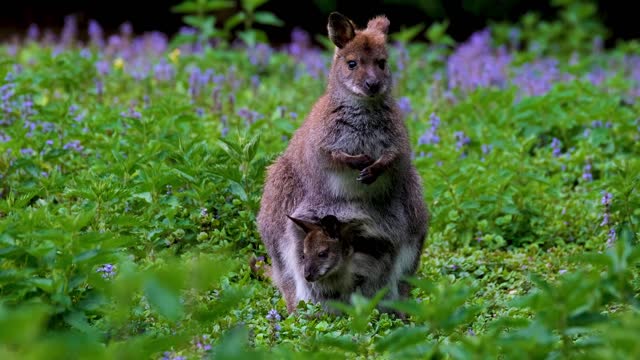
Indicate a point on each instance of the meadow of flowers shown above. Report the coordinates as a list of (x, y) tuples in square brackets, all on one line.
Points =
[(131, 169)]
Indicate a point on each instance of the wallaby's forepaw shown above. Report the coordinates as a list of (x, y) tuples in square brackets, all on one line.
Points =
[(360, 162), (367, 176)]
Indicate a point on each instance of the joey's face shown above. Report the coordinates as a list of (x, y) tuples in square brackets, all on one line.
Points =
[(360, 61), (322, 256), (324, 249)]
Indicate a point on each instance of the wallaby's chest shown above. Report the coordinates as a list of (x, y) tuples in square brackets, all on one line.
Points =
[(360, 132)]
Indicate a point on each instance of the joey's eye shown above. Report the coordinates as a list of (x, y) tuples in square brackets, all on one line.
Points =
[(352, 64), (323, 254), (382, 63)]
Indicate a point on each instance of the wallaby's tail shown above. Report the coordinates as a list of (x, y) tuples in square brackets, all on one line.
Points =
[(259, 267)]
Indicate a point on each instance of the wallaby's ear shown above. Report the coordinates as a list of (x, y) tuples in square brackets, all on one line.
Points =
[(380, 23), (305, 225), (331, 225), (341, 29)]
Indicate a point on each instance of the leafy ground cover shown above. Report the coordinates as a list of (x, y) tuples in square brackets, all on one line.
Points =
[(131, 170)]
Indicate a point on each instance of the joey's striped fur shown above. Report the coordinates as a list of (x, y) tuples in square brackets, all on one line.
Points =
[(352, 153)]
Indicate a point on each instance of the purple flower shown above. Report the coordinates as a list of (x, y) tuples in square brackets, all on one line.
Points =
[(69, 30), (556, 146), (404, 104), (475, 64), (611, 237), (73, 145), (126, 29), (33, 33), (430, 136), (486, 149), (99, 87), (273, 315), (461, 139), (194, 82), (47, 126), (108, 271), (202, 342), (255, 81), (163, 71), (586, 172), (132, 114), (168, 355), (27, 152), (249, 115), (203, 212), (95, 33), (102, 67), (606, 198), (4, 137), (260, 55), (49, 142)]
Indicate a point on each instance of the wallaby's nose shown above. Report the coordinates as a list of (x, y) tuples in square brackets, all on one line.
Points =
[(372, 85), (308, 275)]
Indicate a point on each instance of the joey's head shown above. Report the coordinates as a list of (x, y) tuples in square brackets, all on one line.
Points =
[(325, 249), (360, 60)]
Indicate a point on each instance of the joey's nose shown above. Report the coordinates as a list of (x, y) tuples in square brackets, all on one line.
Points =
[(372, 86), (308, 276)]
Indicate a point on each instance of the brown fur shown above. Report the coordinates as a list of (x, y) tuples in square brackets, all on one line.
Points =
[(353, 148)]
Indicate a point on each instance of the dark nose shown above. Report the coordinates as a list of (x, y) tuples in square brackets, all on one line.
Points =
[(308, 275), (372, 86)]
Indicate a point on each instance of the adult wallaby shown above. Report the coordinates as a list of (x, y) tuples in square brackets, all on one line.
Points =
[(353, 148)]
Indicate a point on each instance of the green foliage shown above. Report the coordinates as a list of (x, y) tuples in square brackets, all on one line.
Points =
[(247, 16)]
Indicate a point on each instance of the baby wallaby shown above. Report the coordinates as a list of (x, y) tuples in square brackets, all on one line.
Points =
[(324, 252)]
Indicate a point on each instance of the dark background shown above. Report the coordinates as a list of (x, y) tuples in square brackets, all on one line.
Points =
[(466, 16)]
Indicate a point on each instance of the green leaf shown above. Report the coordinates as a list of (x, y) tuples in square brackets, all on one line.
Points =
[(186, 7), (235, 20), (165, 301), (85, 256), (237, 190), (267, 18), (250, 5), (23, 324), (251, 148), (407, 34), (345, 343), (146, 196), (402, 338)]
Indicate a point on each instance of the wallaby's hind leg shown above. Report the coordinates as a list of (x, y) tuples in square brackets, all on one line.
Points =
[(289, 293)]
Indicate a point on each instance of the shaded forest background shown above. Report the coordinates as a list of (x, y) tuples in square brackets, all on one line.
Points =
[(465, 16)]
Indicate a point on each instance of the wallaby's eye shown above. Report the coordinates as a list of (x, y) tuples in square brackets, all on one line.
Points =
[(323, 254), (382, 63), (352, 64), (302, 256)]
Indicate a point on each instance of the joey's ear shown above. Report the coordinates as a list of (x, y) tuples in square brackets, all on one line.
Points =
[(380, 23), (331, 225), (305, 225), (341, 29)]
